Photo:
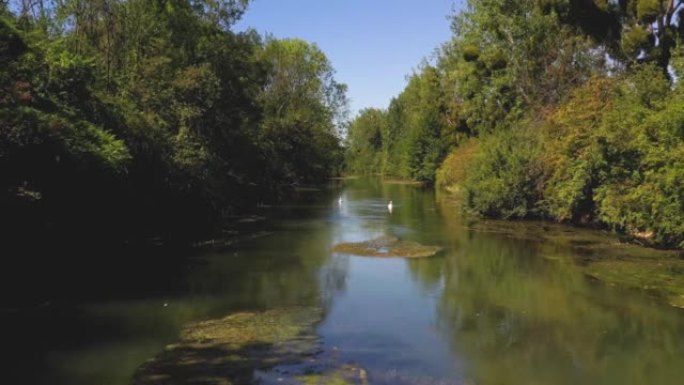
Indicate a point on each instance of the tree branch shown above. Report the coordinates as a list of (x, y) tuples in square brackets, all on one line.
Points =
[(672, 8)]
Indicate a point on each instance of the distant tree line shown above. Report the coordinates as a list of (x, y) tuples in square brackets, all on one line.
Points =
[(571, 110)]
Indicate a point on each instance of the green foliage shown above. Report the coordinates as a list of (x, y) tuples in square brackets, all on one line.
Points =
[(302, 102), (11, 45), (453, 172), (424, 124), (526, 57), (503, 176), (24, 128), (635, 40), (506, 59), (645, 30), (648, 10), (612, 156), (151, 119), (411, 138), (643, 192), (616, 161), (471, 52), (575, 162), (365, 137), (561, 133)]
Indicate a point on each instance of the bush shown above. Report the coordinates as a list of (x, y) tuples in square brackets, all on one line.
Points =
[(452, 173), (644, 190), (504, 178), (574, 157)]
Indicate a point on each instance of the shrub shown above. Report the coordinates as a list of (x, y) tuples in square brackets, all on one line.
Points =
[(504, 179)]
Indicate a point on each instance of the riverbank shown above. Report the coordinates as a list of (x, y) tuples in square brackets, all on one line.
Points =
[(602, 255)]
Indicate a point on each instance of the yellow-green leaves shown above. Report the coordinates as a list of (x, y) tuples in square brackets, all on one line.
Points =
[(649, 10), (602, 4), (471, 52), (636, 39), (494, 58)]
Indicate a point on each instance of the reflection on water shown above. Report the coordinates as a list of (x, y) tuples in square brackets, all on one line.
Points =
[(519, 306), (505, 303)]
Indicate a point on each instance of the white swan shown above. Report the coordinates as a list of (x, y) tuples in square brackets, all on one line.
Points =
[(389, 207), (340, 200)]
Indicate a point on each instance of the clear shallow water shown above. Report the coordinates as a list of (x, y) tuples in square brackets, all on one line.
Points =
[(505, 303)]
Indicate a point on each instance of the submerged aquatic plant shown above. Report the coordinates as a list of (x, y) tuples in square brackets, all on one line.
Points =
[(228, 350)]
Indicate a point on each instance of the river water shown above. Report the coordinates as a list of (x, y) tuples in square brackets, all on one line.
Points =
[(504, 303)]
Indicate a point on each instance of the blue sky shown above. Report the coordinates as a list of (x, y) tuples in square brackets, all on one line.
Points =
[(373, 44)]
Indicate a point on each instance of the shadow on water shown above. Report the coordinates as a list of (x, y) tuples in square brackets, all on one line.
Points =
[(95, 329)]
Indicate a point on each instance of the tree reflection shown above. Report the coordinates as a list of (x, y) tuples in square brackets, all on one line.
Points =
[(521, 310)]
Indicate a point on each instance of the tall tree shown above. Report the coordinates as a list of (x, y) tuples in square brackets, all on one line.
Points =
[(365, 146), (302, 104)]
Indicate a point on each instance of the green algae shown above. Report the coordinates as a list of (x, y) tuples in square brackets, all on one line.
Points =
[(241, 329), (601, 255), (344, 375), (664, 278), (387, 246), (227, 351)]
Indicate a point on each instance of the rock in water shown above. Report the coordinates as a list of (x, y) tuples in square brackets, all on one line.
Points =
[(387, 246)]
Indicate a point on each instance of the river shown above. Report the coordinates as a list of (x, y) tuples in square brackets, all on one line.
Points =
[(504, 303)]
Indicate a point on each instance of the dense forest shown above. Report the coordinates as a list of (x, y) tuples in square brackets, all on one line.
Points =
[(570, 110), (147, 125), (132, 120)]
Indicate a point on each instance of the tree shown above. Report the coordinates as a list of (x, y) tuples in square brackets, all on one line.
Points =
[(365, 141), (513, 56), (635, 31), (302, 103), (179, 119)]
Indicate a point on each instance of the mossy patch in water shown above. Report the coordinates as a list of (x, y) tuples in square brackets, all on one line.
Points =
[(661, 277), (246, 328), (387, 246), (345, 375), (601, 255), (228, 350)]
